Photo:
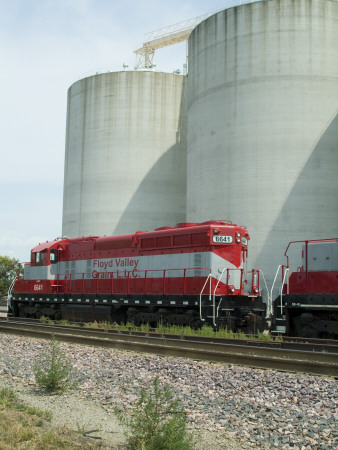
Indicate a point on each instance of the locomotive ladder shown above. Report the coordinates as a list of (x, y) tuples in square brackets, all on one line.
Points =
[(212, 296), (280, 321)]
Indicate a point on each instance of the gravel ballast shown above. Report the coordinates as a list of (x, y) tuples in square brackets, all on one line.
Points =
[(227, 406)]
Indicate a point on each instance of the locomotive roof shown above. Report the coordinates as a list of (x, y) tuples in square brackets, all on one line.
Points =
[(46, 245), (129, 237)]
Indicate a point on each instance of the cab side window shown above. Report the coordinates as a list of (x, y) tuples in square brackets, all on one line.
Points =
[(38, 259), (53, 256)]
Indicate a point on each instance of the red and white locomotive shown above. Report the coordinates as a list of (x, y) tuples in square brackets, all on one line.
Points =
[(189, 274), (308, 302)]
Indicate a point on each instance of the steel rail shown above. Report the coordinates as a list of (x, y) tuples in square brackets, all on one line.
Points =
[(259, 357), (311, 345)]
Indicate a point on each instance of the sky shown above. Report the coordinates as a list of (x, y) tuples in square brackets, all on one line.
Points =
[(46, 46)]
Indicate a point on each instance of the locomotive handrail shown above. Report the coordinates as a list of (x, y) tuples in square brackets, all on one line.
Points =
[(283, 278), (281, 291), (269, 308), (208, 278), (285, 271), (214, 295)]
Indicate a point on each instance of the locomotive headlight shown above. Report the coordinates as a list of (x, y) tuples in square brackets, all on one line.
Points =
[(238, 234), (216, 231), (232, 289), (238, 240)]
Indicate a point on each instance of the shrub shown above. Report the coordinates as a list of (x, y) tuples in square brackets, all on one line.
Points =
[(9, 268), (157, 422), (53, 371)]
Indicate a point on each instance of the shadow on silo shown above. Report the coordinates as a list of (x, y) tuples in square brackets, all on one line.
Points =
[(159, 199), (312, 204)]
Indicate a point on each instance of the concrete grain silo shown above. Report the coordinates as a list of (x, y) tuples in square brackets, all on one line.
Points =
[(263, 123), (125, 164)]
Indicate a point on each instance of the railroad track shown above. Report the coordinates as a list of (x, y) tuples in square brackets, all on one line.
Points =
[(291, 343), (318, 359)]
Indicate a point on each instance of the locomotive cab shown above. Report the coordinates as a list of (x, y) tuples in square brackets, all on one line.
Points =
[(38, 274), (44, 257), (45, 254)]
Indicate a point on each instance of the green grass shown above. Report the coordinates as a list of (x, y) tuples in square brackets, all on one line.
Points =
[(106, 326), (9, 399), (179, 330), (27, 427)]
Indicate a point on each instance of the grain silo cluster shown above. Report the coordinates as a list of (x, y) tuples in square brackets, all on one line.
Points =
[(125, 163), (250, 134)]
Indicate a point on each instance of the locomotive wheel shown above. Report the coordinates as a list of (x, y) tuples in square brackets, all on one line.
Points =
[(304, 329), (22, 313)]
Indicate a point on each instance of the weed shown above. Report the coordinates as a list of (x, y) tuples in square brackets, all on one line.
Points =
[(39, 423), (145, 327), (47, 320), (157, 422), (107, 326), (82, 427), (53, 371), (264, 336), (26, 435), (66, 323), (7, 397), (91, 324), (32, 411)]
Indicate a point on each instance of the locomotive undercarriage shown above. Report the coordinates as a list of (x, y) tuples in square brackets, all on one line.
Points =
[(312, 323), (237, 313), (309, 316)]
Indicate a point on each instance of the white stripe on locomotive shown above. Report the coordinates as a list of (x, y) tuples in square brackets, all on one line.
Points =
[(197, 264)]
